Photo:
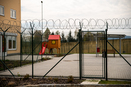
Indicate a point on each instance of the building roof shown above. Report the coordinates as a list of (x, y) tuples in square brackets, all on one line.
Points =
[(111, 35), (54, 37)]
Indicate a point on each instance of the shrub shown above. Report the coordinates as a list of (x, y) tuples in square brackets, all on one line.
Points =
[(26, 77), (55, 79), (6, 60), (70, 79), (18, 74)]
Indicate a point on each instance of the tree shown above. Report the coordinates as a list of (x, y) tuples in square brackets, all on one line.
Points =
[(88, 37), (70, 38), (63, 39), (57, 32), (37, 37), (46, 33), (52, 33)]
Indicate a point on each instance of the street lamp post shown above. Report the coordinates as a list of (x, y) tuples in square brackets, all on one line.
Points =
[(42, 15)]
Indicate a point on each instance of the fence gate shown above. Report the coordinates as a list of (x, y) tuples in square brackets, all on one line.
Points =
[(93, 46)]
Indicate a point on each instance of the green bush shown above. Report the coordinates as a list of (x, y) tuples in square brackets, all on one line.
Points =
[(26, 77), (70, 79), (55, 79), (6, 60), (18, 74)]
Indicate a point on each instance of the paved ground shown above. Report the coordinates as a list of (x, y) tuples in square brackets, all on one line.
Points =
[(117, 67), (25, 57), (92, 66), (69, 66)]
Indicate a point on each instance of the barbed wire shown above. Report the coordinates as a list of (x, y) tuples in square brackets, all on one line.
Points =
[(123, 23)]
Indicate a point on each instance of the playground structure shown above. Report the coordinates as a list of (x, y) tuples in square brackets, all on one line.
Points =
[(54, 41)]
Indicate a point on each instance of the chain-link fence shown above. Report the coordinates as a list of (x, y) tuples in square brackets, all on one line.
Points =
[(93, 49), (22, 41)]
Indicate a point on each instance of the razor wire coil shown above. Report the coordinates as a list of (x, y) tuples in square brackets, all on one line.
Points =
[(123, 23)]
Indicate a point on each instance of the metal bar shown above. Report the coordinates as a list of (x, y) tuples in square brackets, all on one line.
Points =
[(80, 52), (103, 55), (20, 49), (4, 48), (1, 29), (60, 59), (7, 68), (80, 70), (42, 23), (120, 45), (96, 46), (41, 46), (106, 53), (7, 29), (32, 53), (119, 53), (42, 14), (1, 45)]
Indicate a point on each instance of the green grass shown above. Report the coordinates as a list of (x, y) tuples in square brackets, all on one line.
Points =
[(114, 82)]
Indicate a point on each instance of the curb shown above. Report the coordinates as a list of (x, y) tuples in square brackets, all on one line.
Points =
[(77, 85)]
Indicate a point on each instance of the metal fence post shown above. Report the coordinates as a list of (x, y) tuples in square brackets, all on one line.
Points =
[(21, 49), (32, 56), (106, 53), (80, 52), (32, 51), (41, 46), (4, 48)]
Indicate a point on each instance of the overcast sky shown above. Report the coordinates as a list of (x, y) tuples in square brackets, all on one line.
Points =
[(65, 9)]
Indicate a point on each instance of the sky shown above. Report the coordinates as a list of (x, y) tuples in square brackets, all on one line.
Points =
[(77, 9)]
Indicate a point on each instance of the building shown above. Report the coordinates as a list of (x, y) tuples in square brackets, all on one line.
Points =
[(10, 17)]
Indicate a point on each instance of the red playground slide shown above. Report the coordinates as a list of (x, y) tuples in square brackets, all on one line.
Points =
[(42, 50)]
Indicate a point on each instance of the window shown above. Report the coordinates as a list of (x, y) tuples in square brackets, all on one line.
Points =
[(12, 13), (2, 10), (11, 42)]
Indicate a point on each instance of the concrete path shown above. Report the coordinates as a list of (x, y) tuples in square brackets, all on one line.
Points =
[(68, 66), (91, 81), (92, 67)]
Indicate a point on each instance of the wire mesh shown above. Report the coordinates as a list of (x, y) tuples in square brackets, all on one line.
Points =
[(18, 28), (93, 60), (118, 68)]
